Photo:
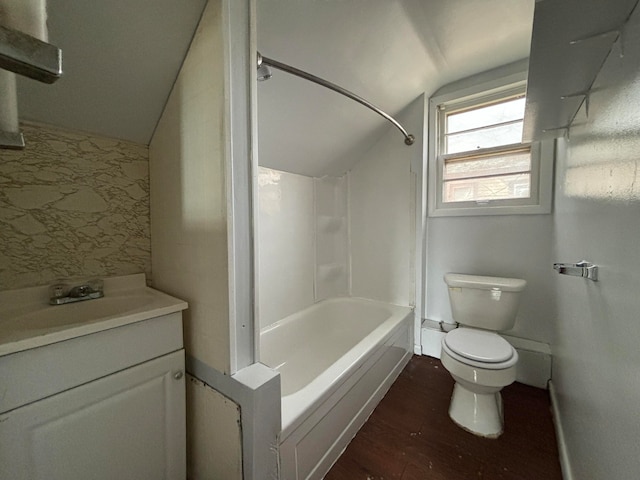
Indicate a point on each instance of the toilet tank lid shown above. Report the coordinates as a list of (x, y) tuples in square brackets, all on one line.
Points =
[(484, 282)]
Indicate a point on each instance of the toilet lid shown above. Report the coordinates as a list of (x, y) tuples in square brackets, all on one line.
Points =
[(479, 345)]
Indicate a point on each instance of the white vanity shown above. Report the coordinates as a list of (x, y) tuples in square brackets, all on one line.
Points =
[(93, 389)]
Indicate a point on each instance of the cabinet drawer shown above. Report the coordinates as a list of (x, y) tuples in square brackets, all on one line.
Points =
[(33, 374)]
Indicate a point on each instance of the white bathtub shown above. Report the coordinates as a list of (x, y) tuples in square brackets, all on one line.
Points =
[(336, 359)]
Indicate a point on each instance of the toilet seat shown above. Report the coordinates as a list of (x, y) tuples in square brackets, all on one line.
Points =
[(479, 348)]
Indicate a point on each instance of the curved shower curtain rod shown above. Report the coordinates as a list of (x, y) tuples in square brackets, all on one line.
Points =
[(265, 75)]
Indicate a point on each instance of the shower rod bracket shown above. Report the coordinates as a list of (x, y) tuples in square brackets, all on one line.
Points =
[(265, 74)]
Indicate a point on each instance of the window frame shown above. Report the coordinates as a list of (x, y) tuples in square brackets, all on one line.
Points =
[(476, 90)]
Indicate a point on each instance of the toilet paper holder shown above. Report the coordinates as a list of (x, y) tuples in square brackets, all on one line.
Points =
[(581, 269)]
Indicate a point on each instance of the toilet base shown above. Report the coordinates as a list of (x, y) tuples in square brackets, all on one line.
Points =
[(478, 413)]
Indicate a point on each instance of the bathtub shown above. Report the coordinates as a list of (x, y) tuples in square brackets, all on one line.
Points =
[(336, 360)]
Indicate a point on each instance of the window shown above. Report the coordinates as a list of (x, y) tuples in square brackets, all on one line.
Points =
[(478, 165)]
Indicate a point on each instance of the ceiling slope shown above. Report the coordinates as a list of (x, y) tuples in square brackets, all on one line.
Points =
[(387, 51), (120, 60)]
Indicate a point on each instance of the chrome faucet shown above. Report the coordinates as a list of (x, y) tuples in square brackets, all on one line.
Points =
[(61, 293)]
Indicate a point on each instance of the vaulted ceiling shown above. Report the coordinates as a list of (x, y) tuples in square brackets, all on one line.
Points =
[(121, 58), (387, 51)]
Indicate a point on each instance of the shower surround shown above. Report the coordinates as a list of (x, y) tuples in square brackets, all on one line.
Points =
[(72, 204), (322, 242)]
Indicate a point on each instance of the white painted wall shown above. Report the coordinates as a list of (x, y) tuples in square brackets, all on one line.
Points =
[(382, 221), (515, 246), (596, 354), (188, 198), (189, 239), (286, 244)]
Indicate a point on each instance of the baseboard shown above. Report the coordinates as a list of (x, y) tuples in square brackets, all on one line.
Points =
[(534, 363), (565, 464)]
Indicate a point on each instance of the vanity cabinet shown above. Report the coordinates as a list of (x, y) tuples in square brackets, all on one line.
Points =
[(128, 425), (107, 405)]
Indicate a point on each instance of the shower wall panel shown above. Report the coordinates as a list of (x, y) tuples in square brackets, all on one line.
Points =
[(382, 202), (286, 244), (332, 243)]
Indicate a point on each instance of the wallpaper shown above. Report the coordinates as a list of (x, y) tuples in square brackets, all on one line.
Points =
[(72, 205)]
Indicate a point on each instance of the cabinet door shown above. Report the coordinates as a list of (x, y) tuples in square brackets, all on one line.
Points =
[(126, 426)]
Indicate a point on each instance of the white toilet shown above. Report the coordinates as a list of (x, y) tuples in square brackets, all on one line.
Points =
[(479, 360)]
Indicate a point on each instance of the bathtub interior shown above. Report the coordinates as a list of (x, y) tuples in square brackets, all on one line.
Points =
[(320, 419), (304, 345)]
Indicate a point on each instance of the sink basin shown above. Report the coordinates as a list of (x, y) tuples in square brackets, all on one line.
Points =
[(27, 321), (50, 316)]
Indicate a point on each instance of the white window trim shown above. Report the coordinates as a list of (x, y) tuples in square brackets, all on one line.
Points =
[(542, 153)]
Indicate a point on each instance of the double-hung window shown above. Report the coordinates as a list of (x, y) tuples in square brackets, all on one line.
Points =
[(478, 163)]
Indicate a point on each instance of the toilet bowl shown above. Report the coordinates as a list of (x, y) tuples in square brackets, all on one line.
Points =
[(476, 404), (480, 361)]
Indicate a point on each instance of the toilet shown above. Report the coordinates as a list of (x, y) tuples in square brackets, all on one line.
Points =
[(480, 361)]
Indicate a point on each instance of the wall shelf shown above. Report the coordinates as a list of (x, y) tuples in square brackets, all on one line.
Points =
[(330, 271), (570, 42), (329, 223)]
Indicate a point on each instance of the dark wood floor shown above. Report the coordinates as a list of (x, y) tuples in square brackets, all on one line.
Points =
[(410, 435)]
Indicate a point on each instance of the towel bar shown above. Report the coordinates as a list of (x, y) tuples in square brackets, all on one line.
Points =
[(581, 269)]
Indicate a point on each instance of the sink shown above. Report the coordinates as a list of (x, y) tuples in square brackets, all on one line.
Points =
[(50, 316), (28, 321), (81, 379)]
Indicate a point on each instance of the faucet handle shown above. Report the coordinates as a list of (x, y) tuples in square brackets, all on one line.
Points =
[(58, 290), (80, 291), (96, 285)]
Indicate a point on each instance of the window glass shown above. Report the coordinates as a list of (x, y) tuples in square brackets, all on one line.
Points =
[(485, 138), (485, 189), (504, 111), (488, 178), (500, 164), (478, 164)]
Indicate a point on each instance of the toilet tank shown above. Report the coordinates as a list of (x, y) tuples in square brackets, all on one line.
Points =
[(490, 303)]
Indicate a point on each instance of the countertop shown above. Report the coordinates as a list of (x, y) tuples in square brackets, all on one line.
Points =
[(28, 321)]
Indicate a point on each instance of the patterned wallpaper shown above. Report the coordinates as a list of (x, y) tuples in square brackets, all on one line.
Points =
[(72, 205)]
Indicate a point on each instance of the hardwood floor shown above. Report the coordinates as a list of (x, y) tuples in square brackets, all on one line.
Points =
[(411, 437)]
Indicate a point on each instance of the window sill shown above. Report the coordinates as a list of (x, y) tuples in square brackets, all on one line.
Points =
[(490, 210)]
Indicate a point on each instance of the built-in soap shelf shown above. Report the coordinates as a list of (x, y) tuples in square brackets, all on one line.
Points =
[(330, 223), (330, 271)]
